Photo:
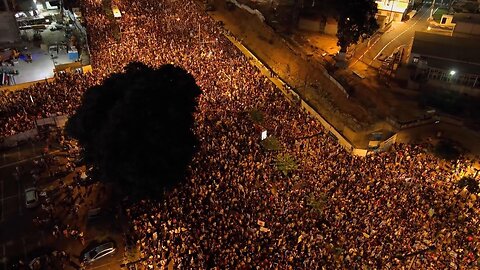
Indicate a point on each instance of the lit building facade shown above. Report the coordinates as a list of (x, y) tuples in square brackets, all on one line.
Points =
[(393, 10)]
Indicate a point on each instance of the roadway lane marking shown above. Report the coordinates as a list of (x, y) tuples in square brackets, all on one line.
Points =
[(27, 159), (408, 29), (3, 199), (364, 53), (106, 264), (371, 46), (2, 202)]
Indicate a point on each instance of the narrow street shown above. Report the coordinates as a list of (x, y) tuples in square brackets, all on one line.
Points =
[(399, 35), (22, 239)]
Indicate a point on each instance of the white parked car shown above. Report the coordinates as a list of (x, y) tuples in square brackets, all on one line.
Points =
[(99, 252), (31, 197)]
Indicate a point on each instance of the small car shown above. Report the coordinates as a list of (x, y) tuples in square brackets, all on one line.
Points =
[(99, 252), (31, 197)]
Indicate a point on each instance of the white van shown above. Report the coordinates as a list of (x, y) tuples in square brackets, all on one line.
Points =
[(31, 197)]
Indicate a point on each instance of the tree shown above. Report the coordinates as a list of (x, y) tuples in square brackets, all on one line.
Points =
[(470, 183), (136, 128), (447, 150), (356, 18)]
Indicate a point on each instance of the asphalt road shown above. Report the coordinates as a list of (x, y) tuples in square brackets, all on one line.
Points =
[(20, 239), (18, 236), (400, 34)]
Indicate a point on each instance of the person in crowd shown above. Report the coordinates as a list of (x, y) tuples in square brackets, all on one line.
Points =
[(394, 210)]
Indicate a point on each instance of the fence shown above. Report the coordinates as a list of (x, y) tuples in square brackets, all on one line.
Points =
[(255, 12), (24, 85), (295, 98), (14, 140), (58, 121), (336, 83), (385, 145)]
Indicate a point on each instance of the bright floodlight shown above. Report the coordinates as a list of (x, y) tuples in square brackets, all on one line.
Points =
[(452, 72)]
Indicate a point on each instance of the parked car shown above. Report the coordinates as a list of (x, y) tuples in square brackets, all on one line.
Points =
[(99, 252), (31, 197)]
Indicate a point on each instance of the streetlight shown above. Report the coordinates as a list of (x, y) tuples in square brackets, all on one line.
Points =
[(452, 76)]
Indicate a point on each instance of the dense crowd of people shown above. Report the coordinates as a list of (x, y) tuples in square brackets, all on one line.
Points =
[(396, 209)]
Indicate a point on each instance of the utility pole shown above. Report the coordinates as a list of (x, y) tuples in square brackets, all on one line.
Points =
[(431, 11), (392, 2)]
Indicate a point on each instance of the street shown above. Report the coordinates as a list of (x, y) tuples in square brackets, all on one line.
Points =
[(400, 34), (22, 238)]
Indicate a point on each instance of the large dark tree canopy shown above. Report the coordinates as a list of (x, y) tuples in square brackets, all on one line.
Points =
[(136, 128), (356, 18)]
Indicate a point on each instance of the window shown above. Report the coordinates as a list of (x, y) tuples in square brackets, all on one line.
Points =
[(100, 254), (444, 20), (93, 253)]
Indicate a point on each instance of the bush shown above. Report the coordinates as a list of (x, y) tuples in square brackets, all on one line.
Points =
[(286, 164), (272, 144), (257, 116), (117, 34), (446, 150), (470, 183), (318, 204)]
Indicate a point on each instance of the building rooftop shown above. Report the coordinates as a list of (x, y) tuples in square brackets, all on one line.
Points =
[(394, 6), (457, 49), (466, 17)]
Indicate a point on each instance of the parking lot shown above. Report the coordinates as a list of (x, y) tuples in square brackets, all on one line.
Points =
[(21, 239)]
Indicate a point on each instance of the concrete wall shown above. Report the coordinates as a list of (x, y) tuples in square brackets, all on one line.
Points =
[(456, 87), (13, 140), (467, 28), (310, 24), (456, 131), (342, 140), (331, 27), (394, 16), (21, 86)]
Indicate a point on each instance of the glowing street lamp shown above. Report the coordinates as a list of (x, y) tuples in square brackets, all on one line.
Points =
[(452, 72)]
